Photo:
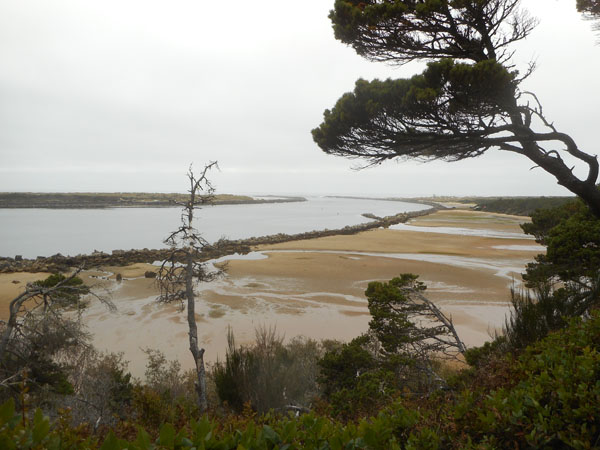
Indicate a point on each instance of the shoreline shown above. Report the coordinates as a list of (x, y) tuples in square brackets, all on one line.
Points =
[(98, 200), (60, 263)]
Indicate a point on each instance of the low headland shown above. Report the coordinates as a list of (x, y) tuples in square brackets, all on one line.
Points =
[(96, 200)]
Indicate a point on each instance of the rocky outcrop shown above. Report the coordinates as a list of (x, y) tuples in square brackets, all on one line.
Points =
[(60, 263)]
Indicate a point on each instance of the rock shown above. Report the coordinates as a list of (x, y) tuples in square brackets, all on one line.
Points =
[(18, 257), (15, 281), (149, 274), (120, 277)]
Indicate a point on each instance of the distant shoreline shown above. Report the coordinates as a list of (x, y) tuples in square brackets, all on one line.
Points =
[(78, 200), (61, 263)]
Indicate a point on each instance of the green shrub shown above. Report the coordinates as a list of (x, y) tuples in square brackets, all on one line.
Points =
[(537, 312), (555, 403), (168, 394), (268, 374), (69, 294)]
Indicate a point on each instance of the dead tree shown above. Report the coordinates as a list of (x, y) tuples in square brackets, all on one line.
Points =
[(177, 273)]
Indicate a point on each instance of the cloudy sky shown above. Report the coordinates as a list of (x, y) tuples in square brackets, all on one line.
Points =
[(123, 95)]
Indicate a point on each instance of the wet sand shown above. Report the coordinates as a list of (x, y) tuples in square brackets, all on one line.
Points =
[(12, 285), (316, 287)]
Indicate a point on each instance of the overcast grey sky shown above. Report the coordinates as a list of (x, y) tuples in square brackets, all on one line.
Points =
[(122, 95)]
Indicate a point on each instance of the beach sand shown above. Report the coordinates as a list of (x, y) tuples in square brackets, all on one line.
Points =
[(316, 287)]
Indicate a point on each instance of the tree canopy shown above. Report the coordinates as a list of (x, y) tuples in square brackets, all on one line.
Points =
[(591, 11), (589, 8), (466, 102)]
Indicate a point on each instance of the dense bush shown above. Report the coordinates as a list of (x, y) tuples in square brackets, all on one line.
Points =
[(555, 402), (41, 356), (537, 312), (522, 206), (549, 399), (268, 374)]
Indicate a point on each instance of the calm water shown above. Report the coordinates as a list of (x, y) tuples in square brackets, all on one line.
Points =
[(44, 232)]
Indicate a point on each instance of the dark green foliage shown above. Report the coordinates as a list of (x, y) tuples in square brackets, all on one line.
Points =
[(572, 236), (429, 116), (14, 434), (340, 367), (565, 281), (39, 340), (408, 326), (574, 246), (538, 312), (390, 429), (406, 334), (69, 293), (402, 31), (390, 313), (34, 356), (544, 218), (228, 375), (168, 394), (520, 206), (476, 356), (555, 403), (354, 379)]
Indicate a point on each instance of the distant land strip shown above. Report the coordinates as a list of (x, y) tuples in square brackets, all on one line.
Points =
[(95, 200), (517, 205), (223, 247)]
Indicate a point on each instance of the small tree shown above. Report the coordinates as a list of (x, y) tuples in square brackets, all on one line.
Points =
[(405, 321), (411, 328), (37, 336), (49, 295), (407, 335), (176, 275)]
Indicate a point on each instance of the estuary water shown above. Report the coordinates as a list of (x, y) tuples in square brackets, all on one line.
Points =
[(45, 232)]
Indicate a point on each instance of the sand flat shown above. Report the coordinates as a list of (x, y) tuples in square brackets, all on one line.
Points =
[(316, 288)]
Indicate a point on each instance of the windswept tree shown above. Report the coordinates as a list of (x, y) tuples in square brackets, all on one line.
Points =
[(178, 273), (37, 334), (466, 102), (408, 337)]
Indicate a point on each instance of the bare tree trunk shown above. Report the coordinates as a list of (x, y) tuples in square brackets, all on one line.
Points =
[(197, 353), (186, 244)]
